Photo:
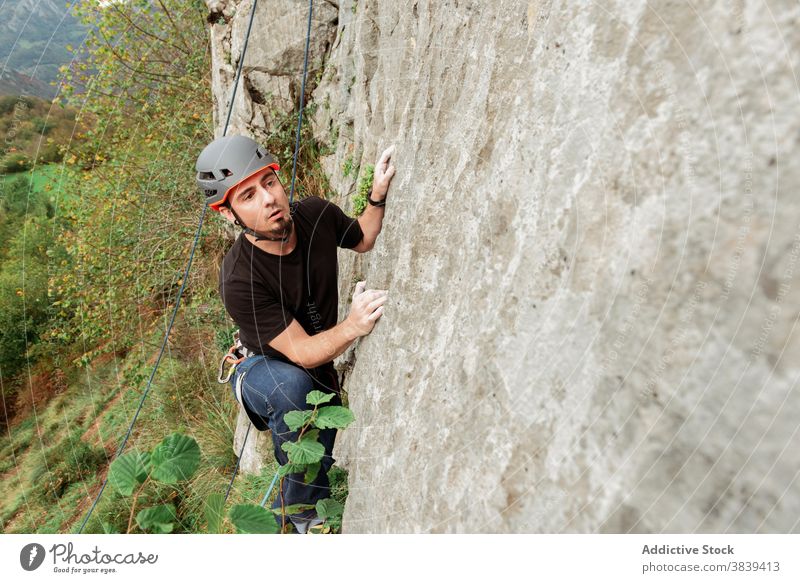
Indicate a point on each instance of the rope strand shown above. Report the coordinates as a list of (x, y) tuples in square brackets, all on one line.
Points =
[(302, 99)]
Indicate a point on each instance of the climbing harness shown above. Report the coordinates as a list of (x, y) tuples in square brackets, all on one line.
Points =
[(236, 354)]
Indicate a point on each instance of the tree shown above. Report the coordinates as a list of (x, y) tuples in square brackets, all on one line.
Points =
[(144, 85)]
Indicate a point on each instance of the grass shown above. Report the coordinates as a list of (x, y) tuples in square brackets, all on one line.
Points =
[(16, 444), (42, 176), (50, 481), (70, 461), (54, 465)]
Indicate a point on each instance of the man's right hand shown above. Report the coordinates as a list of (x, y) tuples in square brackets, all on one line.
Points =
[(366, 308)]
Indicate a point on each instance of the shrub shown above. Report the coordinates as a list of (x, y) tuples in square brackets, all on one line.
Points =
[(15, 162)]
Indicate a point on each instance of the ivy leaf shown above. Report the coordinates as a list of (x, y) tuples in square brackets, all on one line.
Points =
[(296, 419), (215, 510), (175, 459), (158, 519), (253, 519), (128, 471), (318, 397), (334, 416)]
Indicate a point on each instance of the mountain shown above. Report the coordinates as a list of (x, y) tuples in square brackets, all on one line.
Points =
[(15, 83), (33, 44)]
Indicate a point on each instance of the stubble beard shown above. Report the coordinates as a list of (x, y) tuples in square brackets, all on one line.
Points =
[(282, 229)]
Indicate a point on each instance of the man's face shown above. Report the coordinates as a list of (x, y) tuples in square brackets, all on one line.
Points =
[(262, 204)]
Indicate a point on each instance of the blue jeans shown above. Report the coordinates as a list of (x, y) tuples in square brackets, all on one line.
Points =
[(271, 388)]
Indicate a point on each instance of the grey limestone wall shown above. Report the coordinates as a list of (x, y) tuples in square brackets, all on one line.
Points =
[(591, 249)]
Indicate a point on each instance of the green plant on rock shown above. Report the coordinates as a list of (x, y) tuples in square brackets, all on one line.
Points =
[(347, 167), (329, 148), (364, 184)]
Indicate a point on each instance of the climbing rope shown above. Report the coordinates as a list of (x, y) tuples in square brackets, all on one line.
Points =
[(238, 460), (121, 448), (302, 98)]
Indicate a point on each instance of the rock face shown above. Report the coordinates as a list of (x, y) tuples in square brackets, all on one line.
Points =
[(591, 249)]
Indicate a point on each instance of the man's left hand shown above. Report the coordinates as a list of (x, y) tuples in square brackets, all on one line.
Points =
[(383, 174)]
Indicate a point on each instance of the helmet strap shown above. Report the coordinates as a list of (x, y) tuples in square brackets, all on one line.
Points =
[(259, 237)]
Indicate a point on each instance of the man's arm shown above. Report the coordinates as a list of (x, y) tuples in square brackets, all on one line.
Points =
[(370, 222), (312, 351), (371, 219)]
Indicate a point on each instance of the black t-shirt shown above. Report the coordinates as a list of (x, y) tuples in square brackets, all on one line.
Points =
[(264, 292)]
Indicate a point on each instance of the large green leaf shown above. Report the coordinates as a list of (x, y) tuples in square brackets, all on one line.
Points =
[(329, 508), (158, 519), (175, 459), (311, 472), (253, 519), (334, 416), (311, 434), (128, 471), (318, 397), (296, 419), (215, 510), (306, 451), (290, 468), (330, 511)]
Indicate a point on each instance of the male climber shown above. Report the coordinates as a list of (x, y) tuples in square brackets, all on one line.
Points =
[(278, 282)]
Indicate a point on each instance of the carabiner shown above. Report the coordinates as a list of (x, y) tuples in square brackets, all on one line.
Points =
[(227, 377)]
